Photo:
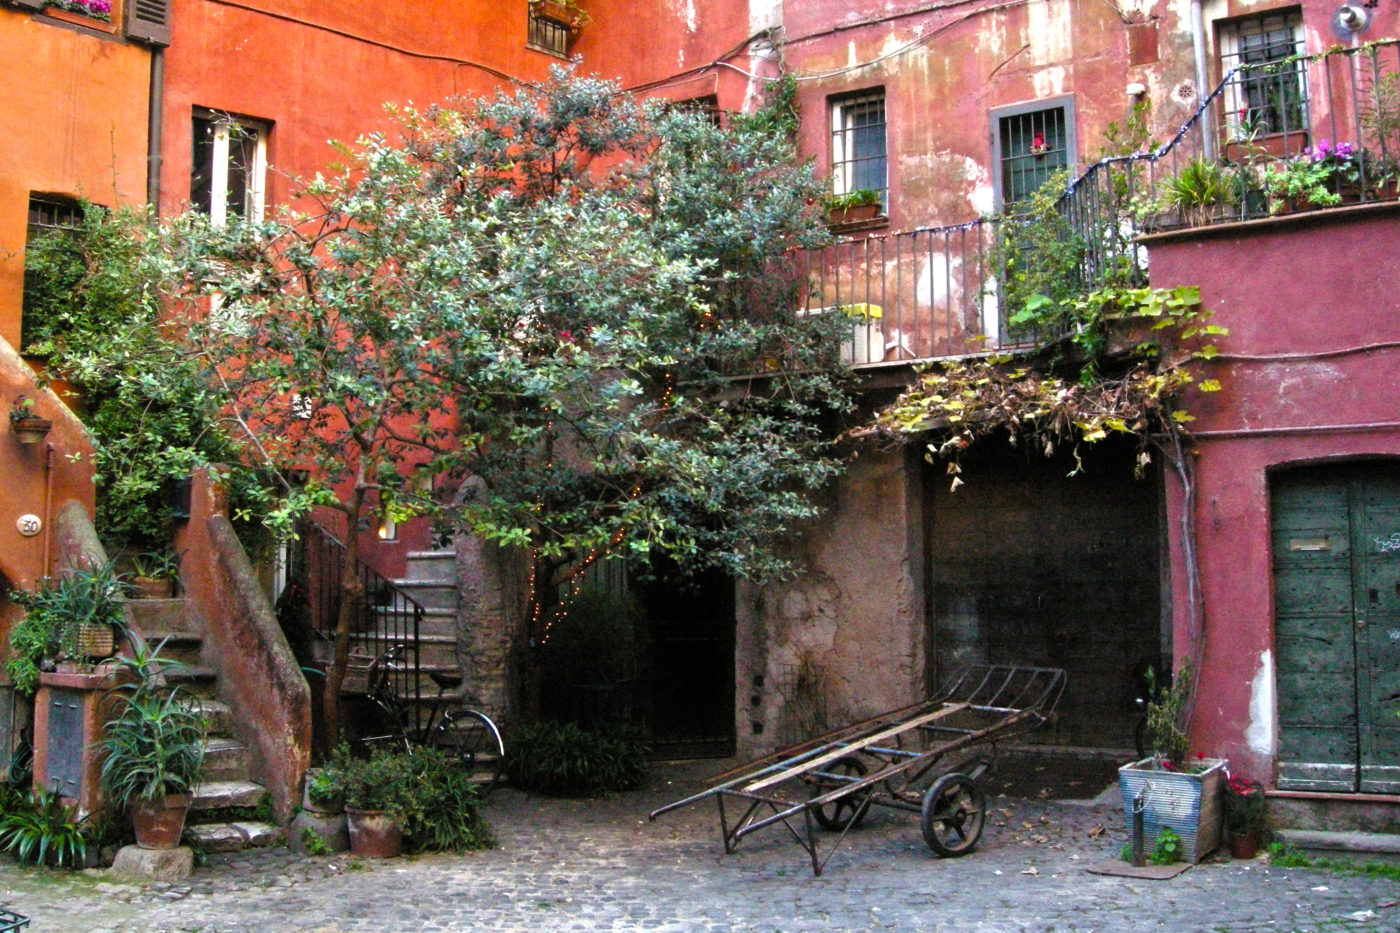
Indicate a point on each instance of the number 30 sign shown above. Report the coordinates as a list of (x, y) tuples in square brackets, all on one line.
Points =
[(29, 525)]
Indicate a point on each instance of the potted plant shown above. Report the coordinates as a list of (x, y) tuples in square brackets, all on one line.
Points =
[(1246, 816), (25, 425), (154, 574), (1201, 191), (72, 618), (323, 792), (1178, 793), (853, 207), (154, 746), (1305, 182), (378, 798), (566, 13)]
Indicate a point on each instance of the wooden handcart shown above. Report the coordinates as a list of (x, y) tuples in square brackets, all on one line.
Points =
[(924, 758)]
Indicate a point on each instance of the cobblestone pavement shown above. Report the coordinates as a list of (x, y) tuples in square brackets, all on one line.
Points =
[(599, 865)]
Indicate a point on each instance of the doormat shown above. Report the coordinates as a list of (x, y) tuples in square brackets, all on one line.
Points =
[(1122, 869)]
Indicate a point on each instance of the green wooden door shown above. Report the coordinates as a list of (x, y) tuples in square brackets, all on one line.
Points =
[(1336, 544)]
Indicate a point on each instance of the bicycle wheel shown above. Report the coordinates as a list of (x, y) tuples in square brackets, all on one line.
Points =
[(470, 737), (368, 724)]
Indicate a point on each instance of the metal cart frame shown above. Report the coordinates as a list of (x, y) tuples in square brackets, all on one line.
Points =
[(899, 759)]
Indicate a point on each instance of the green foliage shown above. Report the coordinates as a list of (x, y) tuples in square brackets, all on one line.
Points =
[(1246, 807), (1200, 188), (56, 615), (154, 740), (1041, 259), (435, 799), (1168, 849), (93, 313), (1166, 715), (861, 197), (1282, 856), (323, 786), (1302, 181), (41, 830), (565, 760), (313, 842), (160, 564)]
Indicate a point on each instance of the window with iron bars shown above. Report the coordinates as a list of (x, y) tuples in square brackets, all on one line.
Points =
[(858, 155), (1271, 96), (1032, 143), (547, 35), (48, 214)]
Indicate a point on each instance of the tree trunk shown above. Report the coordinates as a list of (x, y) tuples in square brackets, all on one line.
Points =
[(351, 596)]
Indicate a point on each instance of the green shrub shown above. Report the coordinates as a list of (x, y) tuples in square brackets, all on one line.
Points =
[(56, 614), (565, 760), (41, 830), (435, 799), (1168, 848)]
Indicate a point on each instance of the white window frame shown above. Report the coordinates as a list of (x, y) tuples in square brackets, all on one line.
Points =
[(224, 129), (1229, 55), (843, 158)]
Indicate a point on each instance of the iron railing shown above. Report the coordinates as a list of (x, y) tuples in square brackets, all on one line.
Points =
[(933, 292), (383, 616)]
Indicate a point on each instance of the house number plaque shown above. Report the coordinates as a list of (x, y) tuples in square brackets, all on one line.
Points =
[(29, 525)]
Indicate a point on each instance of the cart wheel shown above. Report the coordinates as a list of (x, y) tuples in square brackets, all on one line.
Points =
[(955, 810), (844, 811)]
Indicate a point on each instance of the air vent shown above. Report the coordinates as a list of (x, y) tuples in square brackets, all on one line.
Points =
[(148, 21)]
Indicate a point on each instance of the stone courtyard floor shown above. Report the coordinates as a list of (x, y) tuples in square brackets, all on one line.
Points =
[(600, 865)]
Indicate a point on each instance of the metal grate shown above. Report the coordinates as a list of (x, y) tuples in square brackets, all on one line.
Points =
[(858, 154), (549, 36), (10, 921), (1034, 145), (1272, 97)]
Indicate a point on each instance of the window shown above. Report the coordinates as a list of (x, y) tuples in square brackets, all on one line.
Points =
[(227, 167), (858, 156), (553, 24), (1265, 100), (1031, 142), (48, 213)]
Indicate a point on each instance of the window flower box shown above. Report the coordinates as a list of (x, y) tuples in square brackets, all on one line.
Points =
[(566, 14), (1187, 803), (81, 12)]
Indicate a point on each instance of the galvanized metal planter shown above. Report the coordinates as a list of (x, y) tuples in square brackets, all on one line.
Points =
[(1188, 804)]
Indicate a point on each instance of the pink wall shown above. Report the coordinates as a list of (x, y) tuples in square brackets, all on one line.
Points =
[(1308, 372)]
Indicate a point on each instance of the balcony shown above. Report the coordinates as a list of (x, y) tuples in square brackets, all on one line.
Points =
[(1300, 134)]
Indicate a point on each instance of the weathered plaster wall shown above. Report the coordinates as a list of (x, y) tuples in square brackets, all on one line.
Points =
[(1308, 376), (72, 122), (843, 640)]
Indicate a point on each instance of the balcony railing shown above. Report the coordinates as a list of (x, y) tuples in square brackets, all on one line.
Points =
[(933, 293)]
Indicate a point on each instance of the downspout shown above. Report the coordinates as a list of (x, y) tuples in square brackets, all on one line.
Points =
[(1198, 48), (155, 128)]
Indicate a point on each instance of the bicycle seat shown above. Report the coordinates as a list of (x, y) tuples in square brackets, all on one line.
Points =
[(445, 681)]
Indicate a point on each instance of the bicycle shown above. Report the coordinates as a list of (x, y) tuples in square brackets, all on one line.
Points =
[(463, 734)]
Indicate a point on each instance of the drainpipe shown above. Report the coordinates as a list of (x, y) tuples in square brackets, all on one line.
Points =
[(1198, 47), (154, 128), (48, 507)]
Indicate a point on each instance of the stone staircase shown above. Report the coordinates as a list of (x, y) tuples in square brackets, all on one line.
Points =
[(431, 583), (225, 783)]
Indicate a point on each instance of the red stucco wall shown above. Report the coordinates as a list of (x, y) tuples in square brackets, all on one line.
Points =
[(1308, 374)]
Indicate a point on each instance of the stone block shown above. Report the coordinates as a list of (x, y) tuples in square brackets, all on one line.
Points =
[(153, 864), (331, 830)]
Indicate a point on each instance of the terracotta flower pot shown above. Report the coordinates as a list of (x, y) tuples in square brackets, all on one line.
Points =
[(1244, 846), (839, 217), (160, 823), (374, 833), (152, 588), (31, 430)]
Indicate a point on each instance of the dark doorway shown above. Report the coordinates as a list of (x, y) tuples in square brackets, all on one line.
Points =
[(1336, 548), (691, 627), (1030, 565)]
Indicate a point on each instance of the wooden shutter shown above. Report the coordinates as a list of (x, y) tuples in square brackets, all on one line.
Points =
[(28, 4), (148, 21)]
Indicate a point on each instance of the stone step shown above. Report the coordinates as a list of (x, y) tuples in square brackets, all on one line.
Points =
[(195, 679), (431, 594), (215, 795), (160, 615), (433, 651), (217, 716), (225, 759), (176, 646), (1357, 846), (231, 837), (431, 565)]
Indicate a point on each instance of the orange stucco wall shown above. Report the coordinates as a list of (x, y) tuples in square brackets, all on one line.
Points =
[(72, 122)]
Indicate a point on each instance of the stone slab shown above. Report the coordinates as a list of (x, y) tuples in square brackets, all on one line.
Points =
[(212, 795), (331, 830), (1120, 869), (153, 864)]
